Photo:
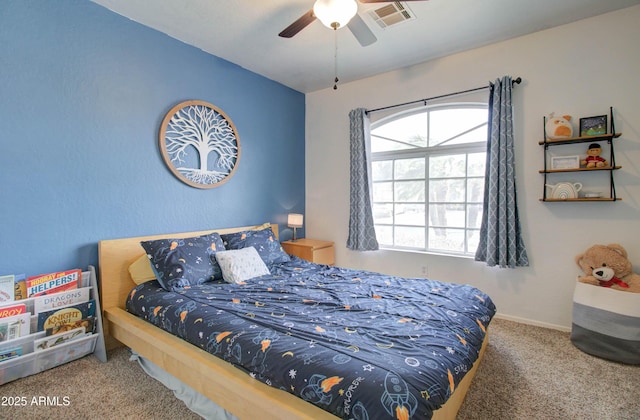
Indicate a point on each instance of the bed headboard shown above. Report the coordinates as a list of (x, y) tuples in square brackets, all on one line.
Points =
[(116, 255)]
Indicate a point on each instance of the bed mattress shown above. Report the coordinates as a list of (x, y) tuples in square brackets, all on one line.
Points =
[(357, 344)]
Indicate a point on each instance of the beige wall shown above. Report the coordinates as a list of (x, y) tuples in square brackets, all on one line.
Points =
[(579, 69)]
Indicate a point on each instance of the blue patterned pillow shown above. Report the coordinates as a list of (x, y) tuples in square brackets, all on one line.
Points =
[(264, 241), (179, 263)]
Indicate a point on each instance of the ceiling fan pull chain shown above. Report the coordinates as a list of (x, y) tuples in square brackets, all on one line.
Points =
[(335, 58)]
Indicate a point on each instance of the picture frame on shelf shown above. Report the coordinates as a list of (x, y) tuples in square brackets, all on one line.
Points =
[(565, 162), (593, 126)]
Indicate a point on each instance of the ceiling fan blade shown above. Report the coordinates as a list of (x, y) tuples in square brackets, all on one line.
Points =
[(361, 31), (383, 1), (302, 22)]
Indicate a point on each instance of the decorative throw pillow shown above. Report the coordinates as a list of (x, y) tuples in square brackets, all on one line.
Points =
[(141, 271), (239, 265), (264, 241), (183, 262)]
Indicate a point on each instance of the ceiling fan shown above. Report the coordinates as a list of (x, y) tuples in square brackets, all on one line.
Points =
[(336, 14)]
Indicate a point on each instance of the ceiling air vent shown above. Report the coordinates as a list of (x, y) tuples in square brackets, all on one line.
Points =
[(391, 14)]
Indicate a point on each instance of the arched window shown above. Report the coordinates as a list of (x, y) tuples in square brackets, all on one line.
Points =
[(428, 168)]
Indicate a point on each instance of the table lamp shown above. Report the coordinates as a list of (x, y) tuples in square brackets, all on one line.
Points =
[(294, 221)]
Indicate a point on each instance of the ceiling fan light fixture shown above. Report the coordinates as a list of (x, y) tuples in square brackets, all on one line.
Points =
[(335, 13)]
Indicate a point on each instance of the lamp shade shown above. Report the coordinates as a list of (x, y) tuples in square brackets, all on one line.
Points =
[(294, 220), (335, 13)]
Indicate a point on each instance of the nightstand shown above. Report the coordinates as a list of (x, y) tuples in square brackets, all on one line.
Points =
[(320, 252)]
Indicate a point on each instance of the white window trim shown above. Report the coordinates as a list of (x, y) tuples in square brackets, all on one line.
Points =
[(419, 152)]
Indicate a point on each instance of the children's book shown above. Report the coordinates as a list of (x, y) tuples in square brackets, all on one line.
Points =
[(54, 340), (12, 310), (46, 284), (88, 324), (66, 315), (10, 353), (24, 342), (20, 287), (15, 326), (7, 291), (59, 300)]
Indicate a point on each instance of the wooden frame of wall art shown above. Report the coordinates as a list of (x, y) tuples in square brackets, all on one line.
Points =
[(593, 126), (200, 144), (565, 162)]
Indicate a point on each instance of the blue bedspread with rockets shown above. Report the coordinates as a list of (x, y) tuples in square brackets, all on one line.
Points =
[(358, 344)]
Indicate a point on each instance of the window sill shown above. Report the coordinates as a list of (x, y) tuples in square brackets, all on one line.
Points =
[(436, 253)]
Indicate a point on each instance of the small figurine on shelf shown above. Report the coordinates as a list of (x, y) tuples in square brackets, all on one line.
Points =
[(593, 159)]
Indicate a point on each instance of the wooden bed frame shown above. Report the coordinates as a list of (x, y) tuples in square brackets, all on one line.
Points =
[(229, 387)]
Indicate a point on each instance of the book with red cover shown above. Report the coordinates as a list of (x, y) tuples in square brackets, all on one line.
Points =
[(45, 284), (11, 310)]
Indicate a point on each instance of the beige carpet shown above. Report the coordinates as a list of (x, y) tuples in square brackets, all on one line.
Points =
[(527, 373), (536, 373)]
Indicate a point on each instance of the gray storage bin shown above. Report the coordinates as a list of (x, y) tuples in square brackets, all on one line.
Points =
[(606, 323)]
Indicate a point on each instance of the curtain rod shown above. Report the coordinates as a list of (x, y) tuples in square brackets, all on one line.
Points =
[(517, 81)]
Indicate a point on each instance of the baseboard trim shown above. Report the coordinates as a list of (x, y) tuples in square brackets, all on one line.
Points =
[(532, 322)]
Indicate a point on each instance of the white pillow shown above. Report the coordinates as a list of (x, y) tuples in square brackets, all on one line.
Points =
[(239, 265)]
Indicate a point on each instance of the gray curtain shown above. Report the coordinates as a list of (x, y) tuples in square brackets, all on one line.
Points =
[(362, 235), (501, 241)]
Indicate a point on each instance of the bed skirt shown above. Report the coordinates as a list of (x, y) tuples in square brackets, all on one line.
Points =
[(606, 323), (194, 401)]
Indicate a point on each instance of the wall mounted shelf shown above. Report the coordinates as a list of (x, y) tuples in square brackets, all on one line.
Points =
[(611, 164)]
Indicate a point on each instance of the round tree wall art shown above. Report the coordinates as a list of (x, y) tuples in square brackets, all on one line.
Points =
[(199, 144)]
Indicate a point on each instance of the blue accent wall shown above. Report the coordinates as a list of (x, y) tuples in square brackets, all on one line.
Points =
[(82, 94)]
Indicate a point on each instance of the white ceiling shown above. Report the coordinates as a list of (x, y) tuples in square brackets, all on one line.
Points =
[(245, 32)]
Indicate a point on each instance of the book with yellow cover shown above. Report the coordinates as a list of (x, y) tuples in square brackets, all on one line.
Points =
[(88, 324), (20, 286)]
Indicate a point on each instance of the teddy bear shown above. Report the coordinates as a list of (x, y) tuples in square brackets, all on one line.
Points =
[(608, 266), (593, 159)]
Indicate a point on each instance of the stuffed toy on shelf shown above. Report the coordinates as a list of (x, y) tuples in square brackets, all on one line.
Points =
[(593, 159), (558, 127)]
